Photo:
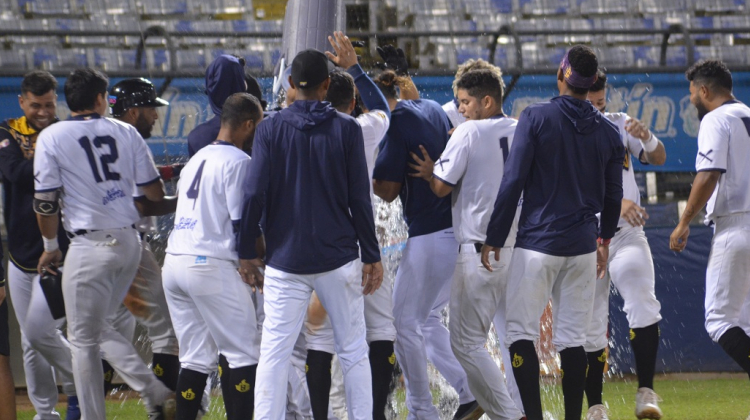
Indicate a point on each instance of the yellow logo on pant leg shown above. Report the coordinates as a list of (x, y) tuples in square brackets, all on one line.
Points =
[(221, 371), (108, 376), (188, 395), (158, 370), (243, 386), (517, 361), (307, 368), (392, 359), (632, 335), (562, 373), (603, 357)]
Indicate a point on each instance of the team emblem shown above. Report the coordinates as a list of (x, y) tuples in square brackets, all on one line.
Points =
[(562, 373), (158, 370), (602, 358), (392, 359), (517, 361), (632, 335), (108, 376), (188, 395), (243, 386), (221, 373)]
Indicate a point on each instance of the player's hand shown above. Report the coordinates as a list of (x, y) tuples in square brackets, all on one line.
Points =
[(486, 249), (637, 129), (678, 238), (252, 274), (372, 277), (633, 213), (48, 260), (424, 165), (345, 55), (602, 257), (393, 59)]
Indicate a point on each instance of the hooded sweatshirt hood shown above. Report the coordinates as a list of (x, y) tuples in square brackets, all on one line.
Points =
[(224, 76), (582, 114), (306, 115)]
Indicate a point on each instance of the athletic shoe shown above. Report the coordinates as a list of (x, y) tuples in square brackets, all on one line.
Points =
[(469, 411), (597, 412), (74, 411), (165, 411), (647, 404)]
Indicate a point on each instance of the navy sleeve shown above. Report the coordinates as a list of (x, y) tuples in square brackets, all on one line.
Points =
[(255, 189), (371, 96), (391, 162), (13, 165), (516, 171), (612, 192), (360, 204)]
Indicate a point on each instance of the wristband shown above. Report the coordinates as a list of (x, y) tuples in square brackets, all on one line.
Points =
[(651, 144), (50, 245), (605, 242)]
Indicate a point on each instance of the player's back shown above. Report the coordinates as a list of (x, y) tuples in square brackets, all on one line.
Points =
[(572, 145), (724, 145), (98, 162), (209, 201)]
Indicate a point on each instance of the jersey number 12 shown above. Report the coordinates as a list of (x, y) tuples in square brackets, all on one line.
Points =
[(104, 159)]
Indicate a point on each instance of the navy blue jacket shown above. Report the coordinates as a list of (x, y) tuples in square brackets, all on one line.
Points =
[(309, 176), (567, 160), (414, 123)]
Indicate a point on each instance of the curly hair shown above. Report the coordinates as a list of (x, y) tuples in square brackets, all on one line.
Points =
[(471, 65), (584, 62), (601, 82), (481, 83), (710, 73)]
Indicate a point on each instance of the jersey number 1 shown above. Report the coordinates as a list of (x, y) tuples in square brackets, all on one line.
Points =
[(195, 186), (104, 159)]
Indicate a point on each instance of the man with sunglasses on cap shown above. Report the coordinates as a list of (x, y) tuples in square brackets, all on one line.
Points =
[(566, 159)]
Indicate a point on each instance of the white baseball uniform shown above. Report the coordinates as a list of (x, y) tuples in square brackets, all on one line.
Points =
[(451, 110), (472, 163), (98, 210), (724, 145), (631, 266), (211, 307)]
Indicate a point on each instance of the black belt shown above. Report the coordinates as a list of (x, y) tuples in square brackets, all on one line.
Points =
[(81, 232), (477, 246)]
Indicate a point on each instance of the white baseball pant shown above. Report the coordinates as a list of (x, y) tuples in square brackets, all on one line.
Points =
[(43, 344), (420, 293), (728, 276), (286, 299), (212, 310), (100, 266), (534, 278), (475, 299), (631, 270), (148, 304), (298, 397)]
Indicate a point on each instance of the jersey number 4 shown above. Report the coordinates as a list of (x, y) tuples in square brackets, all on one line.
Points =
[(104, 159), (195, 186)]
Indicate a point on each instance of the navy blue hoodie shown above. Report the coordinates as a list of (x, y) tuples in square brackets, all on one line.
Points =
[(225, 76), (567, 159), (309, 177)]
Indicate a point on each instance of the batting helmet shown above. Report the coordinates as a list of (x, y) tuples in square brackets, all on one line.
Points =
[(130, 93)]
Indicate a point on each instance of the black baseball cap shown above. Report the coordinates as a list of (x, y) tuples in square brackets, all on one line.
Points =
[(133, 93), (310, 68)]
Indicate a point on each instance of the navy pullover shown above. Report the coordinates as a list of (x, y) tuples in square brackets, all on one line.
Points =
[(414, 123), (309, 177), (567, 160)]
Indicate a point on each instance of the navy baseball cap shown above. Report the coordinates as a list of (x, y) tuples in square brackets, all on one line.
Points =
[(310, 68)]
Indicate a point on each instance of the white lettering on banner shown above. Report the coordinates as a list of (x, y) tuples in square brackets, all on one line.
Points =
[(689, 115)]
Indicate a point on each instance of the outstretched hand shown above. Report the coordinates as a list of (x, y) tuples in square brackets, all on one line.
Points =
[(393, 59), (424, 166), (345, 56)]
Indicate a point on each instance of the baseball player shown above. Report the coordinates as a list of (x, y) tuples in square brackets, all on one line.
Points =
[(134, 101), (43, 344), (429, 259), (630, 269), (451, 107), (722, 184), (309, 178), (468, 169), (7, 386), (566, 159), (378, 306), (90, 166), (211, 307)]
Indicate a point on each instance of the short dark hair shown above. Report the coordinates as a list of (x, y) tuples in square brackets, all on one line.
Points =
[(710, 73), (387, 82), (82, 87), (481, 83), (240, 107), (601, 82), (584, 62), (38, 83), (341, 91)]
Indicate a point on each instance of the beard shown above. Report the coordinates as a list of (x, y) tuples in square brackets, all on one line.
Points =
[(143, 126), (702, 110)]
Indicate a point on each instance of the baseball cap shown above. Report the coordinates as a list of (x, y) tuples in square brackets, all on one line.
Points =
[(131, 93), (310, 68)]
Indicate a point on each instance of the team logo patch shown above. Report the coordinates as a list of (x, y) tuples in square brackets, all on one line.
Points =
[(602, 358), (517, 361), (221, 371), (201, 260), (188, 395), (158, 370), (632, 335), (112, 100), (243, 386), (392, 359), (108, 376), (562, 373), (4, 143), (307, 368)]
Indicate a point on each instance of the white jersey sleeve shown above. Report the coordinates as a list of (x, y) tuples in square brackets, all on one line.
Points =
[(451, 166), (713, 144), (145, 169), (47, 169), (374, 125), (451, 110)]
